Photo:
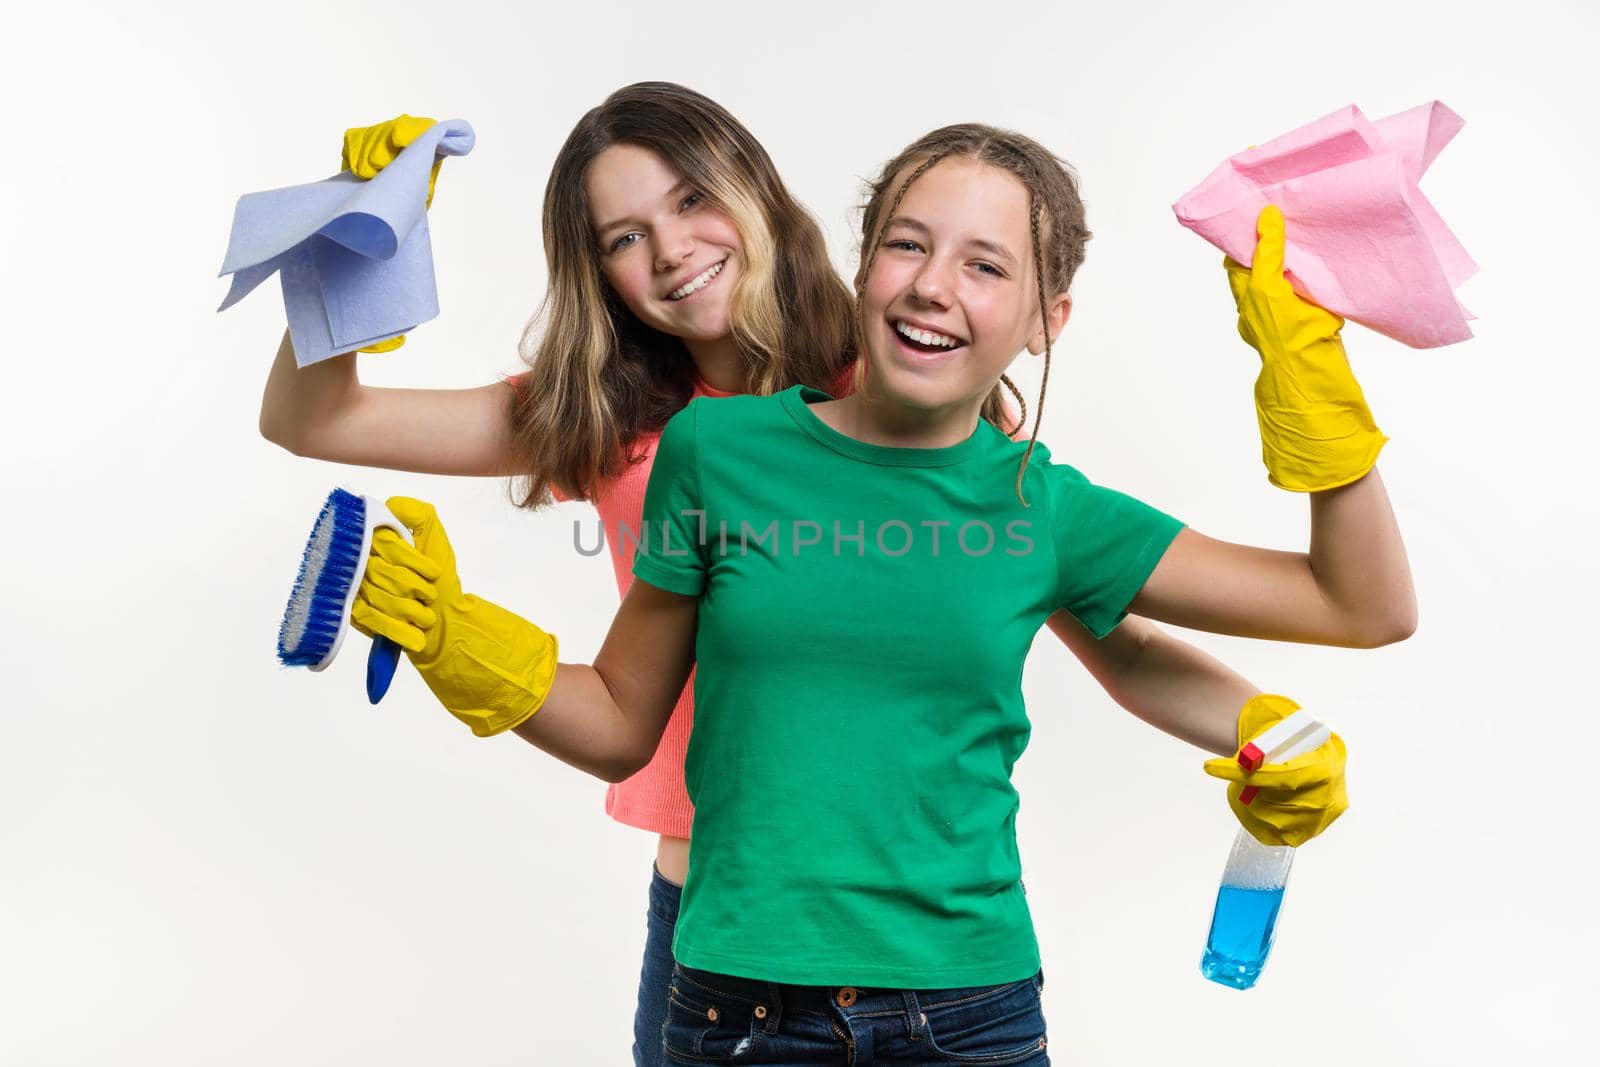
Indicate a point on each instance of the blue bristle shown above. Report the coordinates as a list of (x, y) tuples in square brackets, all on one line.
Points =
[(329, 566)]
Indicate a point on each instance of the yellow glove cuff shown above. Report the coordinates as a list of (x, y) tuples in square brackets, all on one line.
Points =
[(494, 676)]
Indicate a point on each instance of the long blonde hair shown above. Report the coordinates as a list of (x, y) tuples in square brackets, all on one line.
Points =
[(1056, 223), (598, 377)]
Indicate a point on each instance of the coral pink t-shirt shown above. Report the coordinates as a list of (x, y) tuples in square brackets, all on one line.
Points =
[(656, 798)]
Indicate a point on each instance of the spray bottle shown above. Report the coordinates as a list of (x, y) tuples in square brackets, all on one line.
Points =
[(1246, 914)]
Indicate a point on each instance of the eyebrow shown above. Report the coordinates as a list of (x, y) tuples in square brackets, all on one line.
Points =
[(997, 250), (682, 186)]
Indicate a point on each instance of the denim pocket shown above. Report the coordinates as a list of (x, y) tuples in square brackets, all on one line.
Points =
[(996, 1027), (706, 1026)]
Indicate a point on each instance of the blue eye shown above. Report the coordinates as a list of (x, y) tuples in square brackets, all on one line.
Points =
[(903, 244), (990, 268), (689, 201), (618, 245)]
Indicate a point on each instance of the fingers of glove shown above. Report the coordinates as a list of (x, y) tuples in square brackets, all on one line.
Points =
[(372, 622), (1294, 776), (385, 346), (408, 128), (349, 147), (1318, 768), (399, 581), (1227, 768), (368, 149), (1266, 267), (433, 176), (426, 531), (1263, 832), (1321, 765), (397, 551), (1238, 279), (400, 608), (360, 145), (1278, 827)]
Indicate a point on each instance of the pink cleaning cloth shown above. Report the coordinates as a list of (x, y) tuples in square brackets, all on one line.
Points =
[(1362, 239)]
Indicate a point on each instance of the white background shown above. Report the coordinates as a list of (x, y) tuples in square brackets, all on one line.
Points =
[(207, 859)]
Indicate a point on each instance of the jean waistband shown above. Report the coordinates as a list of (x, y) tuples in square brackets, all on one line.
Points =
[(665, 896), (854, 1001)]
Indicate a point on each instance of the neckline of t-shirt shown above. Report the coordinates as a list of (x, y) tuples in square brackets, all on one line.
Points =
[(797, 400), (702, 388)]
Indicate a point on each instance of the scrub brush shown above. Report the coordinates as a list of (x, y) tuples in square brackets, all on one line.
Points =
[(318, 614)]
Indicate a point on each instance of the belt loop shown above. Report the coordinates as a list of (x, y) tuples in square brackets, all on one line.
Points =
[(774, 1009), (914, 1017)]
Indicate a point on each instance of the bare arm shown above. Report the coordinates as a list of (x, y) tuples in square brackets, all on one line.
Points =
[(607, 719), (1353, 588), (324, 412), (1162, 679)]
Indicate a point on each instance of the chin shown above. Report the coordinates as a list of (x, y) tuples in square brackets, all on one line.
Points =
[(710, 320), (921, 391)]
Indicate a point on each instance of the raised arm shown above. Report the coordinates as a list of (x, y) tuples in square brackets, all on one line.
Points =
[(324, 412), (1353, 587)]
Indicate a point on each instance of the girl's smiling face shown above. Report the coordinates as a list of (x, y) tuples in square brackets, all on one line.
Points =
[(670, 255), (952, 295)]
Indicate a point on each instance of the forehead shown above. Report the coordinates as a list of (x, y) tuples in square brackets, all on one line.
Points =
[(965, 198), (625, 179)]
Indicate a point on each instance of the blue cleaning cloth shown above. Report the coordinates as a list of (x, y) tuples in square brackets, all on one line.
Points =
[(354, 256)]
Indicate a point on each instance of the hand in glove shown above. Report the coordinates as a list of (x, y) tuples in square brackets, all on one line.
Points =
[(367, 150), (489, 667), (1295, 800), (1316, 430)]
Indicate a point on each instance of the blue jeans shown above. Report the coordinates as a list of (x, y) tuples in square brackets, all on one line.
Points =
[(656, 974), (713, 1018)]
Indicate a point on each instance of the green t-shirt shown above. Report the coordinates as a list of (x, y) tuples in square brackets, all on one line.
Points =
[(864, 615)]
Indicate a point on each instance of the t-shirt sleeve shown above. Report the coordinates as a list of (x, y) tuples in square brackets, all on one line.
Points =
[(1106, 543), (672, 550)]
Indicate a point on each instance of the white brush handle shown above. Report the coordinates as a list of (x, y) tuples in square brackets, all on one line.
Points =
[(376, 515)]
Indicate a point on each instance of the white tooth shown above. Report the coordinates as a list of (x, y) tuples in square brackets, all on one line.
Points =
[(696, 284)]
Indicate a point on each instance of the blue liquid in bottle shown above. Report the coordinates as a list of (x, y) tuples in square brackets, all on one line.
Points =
[(1241, 935)]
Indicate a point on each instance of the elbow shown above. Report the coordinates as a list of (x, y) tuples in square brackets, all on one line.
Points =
[(620, 760), (1390, 627), (278, 432), (619, 769)]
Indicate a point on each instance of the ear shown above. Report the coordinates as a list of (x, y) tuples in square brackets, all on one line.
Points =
[(1058, 311)]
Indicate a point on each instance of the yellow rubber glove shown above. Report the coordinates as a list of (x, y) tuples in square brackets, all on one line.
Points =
[(1296, 799), (1316, 430), (489, 667), (367, 150)]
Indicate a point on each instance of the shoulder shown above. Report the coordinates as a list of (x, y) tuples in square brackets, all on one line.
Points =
[(1061, 486), (735, 414)]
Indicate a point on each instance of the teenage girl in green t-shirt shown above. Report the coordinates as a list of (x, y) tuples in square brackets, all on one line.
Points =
[(979, 224), (778, 317)]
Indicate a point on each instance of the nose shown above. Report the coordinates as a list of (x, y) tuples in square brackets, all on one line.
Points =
[(673, 245), (932, 282)]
